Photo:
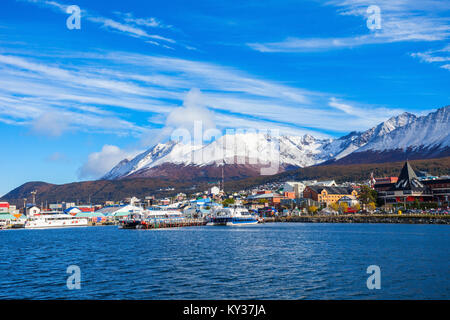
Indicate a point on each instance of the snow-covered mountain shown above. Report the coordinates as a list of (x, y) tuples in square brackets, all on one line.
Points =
[(245, 154), (421, 138)]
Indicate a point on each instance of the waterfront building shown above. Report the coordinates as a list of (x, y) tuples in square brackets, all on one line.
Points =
[(4, 207), (118, 211), (327, 195), (440, 189), (351, 201), (384, 184), (6, 219), (75, 210), (32, 211), (56, 207), (408, 188)]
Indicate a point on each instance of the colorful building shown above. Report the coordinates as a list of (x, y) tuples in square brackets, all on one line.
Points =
[(328, 195)]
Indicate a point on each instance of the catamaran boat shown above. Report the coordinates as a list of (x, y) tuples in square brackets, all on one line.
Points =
[(235, 215), (54, 220)]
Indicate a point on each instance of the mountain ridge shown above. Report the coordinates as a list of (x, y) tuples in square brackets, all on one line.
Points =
[(391, 140)]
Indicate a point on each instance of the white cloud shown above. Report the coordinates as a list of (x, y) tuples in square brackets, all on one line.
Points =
[(150, 22), (193, 109), (51, 124), (401, 21), (87, 93), (128, 27), (341, 106), (99, 163), (193, 113), (434, 56)]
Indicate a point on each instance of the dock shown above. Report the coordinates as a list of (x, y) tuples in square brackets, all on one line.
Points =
[(371, 218)]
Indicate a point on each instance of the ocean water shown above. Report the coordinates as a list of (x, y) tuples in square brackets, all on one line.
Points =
[(268, 261)]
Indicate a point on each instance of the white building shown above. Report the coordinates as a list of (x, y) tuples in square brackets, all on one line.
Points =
[(294, 186), (326, 183), (32, 211), (350, 200), (13, 210), (214, 190)]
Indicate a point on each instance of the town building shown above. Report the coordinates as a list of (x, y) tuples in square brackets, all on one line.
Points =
[(440, 189), (215, 190), (264, 199), (79, 209), (384, 184), (32, 211), (326, 183), (351, 201), (408, 188), (294, 186), (327, 195), (4, 207)]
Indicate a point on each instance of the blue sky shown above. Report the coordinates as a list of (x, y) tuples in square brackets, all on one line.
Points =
[(75, 102)]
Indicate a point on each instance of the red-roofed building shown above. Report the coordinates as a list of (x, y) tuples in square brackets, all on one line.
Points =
[(4, 207)]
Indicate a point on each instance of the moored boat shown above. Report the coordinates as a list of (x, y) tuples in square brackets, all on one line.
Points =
[(54, 220), (235, 215)]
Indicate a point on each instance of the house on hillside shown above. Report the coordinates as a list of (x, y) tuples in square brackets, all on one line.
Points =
[(326, 183)]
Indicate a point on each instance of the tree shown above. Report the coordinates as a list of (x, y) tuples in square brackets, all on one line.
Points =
[(367, 195), (357, 207), (371, 206), (312, 209), (228, 202)]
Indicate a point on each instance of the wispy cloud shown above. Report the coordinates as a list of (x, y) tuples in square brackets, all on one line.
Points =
[(129, 26), (435, 56), (401, 21), (53, 97), (150, 22)]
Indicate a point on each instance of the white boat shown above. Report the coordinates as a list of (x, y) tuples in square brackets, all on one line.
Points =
[(235, 215), (162, 214), (54, 220)]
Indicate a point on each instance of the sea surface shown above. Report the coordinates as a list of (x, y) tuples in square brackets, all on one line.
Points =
[(268, 261)]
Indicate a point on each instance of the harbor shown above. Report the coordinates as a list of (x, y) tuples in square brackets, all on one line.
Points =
[(408, 198)]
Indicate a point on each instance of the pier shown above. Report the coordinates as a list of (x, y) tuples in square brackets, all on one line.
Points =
[(373, 218)]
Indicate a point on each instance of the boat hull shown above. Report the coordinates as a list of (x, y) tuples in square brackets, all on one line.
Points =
[(231, 222), (56, 224)]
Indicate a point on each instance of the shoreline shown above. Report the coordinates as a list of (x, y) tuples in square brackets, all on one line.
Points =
[(384, 218)]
